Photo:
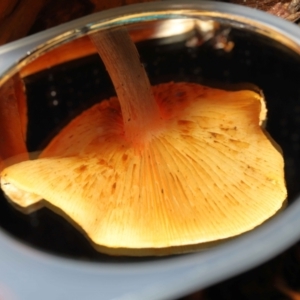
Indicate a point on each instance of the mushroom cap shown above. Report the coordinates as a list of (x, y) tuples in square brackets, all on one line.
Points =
[(209, 173), (13, 122)]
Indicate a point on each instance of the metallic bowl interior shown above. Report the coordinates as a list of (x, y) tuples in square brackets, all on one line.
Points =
[(217, 44)]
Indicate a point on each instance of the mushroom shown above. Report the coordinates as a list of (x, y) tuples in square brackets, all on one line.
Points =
[(13, 122), (168, 167)]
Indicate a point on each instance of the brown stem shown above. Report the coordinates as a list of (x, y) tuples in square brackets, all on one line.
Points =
[(140, 111)]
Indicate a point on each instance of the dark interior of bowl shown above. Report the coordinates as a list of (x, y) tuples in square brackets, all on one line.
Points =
[(55, 96)]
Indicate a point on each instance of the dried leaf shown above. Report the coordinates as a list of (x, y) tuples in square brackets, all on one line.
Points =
[(287, 9)]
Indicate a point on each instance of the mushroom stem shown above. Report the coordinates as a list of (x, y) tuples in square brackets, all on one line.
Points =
[(140, 111)]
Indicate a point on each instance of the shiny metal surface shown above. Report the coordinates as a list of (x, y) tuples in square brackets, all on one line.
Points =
[(26, 273)]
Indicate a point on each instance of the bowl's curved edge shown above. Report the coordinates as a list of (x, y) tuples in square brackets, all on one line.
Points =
[(27, 273)]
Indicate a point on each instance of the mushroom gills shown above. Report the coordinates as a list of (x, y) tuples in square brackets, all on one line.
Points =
[(208, 172)]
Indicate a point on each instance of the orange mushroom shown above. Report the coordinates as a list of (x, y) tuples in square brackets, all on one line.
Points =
[(167, 167), (13, 122)]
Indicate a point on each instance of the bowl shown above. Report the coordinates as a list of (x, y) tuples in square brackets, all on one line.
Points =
[(217, 44)]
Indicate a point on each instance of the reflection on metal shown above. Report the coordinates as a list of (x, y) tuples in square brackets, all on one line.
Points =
[(194, 26), (164, 31)]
